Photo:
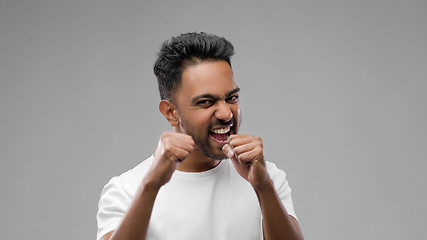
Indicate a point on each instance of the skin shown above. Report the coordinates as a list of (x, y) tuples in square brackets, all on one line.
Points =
[(206, 99)]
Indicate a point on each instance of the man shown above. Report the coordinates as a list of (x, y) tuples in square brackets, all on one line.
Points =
[(204, 180)]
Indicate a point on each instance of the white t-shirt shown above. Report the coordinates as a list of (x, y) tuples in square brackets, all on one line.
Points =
[(212, 205)]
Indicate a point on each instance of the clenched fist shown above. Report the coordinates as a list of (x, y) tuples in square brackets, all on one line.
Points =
[(246, 153), (172, 148)]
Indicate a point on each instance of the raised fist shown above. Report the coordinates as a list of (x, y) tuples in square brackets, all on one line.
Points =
[(172, 149)]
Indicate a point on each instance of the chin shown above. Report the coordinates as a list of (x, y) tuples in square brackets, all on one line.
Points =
[(212, 154), (216, 156)]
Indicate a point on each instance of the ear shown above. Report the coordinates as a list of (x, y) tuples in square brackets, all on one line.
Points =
[(170, 112)]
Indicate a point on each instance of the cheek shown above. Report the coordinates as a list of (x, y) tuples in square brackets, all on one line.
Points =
[(203, 118), (199, 120)]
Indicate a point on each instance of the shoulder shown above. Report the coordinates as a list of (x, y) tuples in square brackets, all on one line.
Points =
[(130, 180), (278, 176), (117, 195), (138, 171), (273, 170)]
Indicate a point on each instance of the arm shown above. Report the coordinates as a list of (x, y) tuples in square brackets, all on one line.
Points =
[(172, 149), (246, 153), (277, 223)]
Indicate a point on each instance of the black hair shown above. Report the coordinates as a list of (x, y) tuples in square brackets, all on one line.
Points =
[(184, 50)]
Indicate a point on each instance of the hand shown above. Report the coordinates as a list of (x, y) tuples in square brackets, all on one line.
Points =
[(172, 149), (246, 153)]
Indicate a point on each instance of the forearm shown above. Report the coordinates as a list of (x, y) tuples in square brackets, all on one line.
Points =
[(135, 223), (277, 224)]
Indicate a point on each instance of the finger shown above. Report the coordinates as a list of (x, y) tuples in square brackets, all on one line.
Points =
[(228, 151), (180, 137), (235, 136), (245, 148), (251, 156), (173, 149), (179, 140), (238, 140), (186, 145), (237, 163), (177, 154), (173, 136)]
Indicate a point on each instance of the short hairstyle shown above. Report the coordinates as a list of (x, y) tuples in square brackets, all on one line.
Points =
[(184, 50)]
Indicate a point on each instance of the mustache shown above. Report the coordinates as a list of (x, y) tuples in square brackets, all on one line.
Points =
[(219, 122)]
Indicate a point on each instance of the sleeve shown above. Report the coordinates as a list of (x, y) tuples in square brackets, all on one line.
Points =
[(282, 187), (112, 207)]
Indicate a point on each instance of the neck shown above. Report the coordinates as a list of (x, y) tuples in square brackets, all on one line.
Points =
[(197, 162)]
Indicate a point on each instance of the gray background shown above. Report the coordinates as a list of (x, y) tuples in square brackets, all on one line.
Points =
[(337, 90)]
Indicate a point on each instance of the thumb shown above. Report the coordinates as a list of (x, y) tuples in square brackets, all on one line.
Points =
[(228, 151)]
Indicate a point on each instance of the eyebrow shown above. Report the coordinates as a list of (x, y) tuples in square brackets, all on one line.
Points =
[(215, 97)]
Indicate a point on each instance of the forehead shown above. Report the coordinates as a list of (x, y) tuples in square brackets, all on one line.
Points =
[(208, 77)]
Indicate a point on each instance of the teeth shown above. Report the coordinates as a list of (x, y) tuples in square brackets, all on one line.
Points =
[(221, 130)]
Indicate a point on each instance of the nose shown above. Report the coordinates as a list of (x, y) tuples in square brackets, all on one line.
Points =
[(223, 112)]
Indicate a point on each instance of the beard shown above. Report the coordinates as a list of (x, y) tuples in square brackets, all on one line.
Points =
[(203, 148)]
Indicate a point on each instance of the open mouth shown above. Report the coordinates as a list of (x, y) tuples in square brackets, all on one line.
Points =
[(221, 135)]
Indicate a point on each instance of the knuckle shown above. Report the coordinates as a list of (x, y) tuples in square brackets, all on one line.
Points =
[(165, 135), (259, 141), (258, 150), (164, 138), (166, 145)]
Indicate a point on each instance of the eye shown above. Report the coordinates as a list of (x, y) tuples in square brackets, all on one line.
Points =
[(233, 99), (204, 103)]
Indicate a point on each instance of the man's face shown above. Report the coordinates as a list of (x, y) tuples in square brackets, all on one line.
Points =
[(208, 106)]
